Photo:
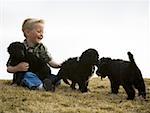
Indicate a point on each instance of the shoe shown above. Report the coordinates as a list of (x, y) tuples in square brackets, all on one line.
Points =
[(47, 84), (40, 87)]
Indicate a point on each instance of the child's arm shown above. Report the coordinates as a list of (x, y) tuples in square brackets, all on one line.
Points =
[(23, 66), (53, 64), (45, 55)]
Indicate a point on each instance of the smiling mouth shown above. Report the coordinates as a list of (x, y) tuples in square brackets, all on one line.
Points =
[(40, 38)]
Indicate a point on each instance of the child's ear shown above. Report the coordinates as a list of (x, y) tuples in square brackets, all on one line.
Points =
[(27, 31)]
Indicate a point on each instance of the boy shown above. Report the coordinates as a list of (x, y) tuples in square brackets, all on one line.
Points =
[(33, 32)]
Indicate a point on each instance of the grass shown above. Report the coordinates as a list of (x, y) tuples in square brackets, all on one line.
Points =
[(64, 100)]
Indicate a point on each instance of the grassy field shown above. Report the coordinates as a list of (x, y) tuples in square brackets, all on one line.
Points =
[(64, 100)]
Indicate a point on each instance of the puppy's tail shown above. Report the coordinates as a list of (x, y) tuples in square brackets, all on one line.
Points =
[(130, 55)]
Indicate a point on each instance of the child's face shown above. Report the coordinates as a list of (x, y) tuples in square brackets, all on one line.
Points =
[(35, 35)]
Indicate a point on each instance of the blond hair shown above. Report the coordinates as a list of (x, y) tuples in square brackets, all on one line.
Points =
[(29, 23)]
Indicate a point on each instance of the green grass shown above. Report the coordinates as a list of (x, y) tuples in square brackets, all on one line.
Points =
[(64, 100)]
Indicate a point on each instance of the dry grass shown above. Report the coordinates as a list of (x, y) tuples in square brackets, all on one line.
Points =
[(64, 100)]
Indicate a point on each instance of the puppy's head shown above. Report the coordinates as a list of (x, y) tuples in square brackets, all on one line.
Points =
[(140, 85), (90, 56), (103, 67), (16, 50)]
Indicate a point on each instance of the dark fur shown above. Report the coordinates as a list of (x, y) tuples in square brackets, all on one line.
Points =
[(125, 73), (79, 70), (18, 53)]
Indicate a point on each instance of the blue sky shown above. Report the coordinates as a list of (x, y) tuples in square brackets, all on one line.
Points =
[(113, 27)]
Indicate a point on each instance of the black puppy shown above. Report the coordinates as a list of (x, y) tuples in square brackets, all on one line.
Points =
[(125, 73), (79, 70), (18, 53)]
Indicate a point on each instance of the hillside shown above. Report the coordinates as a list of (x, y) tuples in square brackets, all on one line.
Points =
[(64, 100)]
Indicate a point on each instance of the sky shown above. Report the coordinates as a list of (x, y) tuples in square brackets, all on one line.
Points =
[(113, 27)]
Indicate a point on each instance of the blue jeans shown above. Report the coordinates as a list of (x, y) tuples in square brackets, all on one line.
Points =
[(31, 80)]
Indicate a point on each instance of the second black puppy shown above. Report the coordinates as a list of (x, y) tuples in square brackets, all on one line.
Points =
[(125, 73), (79, 70)]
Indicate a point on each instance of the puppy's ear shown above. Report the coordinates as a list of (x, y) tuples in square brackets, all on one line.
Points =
[(103, 67), (90, 56)]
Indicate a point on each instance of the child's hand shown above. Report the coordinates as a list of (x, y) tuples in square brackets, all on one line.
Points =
[(59, 65), (53, 64), (23, 66)]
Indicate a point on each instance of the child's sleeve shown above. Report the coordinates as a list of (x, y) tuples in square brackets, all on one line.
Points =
[(44, 54)]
